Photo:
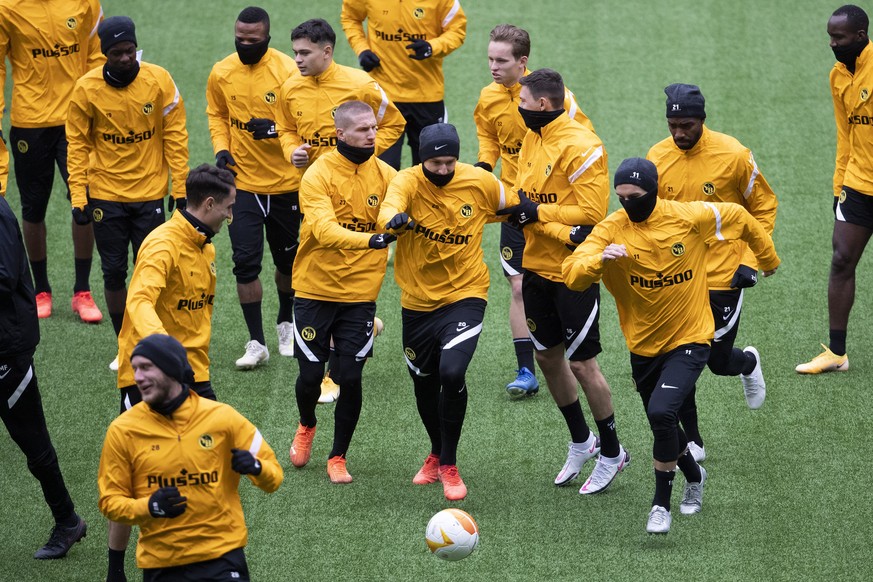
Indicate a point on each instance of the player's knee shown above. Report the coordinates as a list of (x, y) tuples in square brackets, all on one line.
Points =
[(311, 373), (843, 262), (114, 279), (453, 377), (662, 420), (719, 366), (246, 273)]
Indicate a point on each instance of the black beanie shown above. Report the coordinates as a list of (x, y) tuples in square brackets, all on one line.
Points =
[(685, 101), (114, 30), (639, 172), (439, 139), (168, 354)]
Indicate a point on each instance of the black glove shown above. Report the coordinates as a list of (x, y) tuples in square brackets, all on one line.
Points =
[(180, 203), (369, 60), (578, 234), (223, 159), (81, 216), (485, 166), (399, 221), (744, 277), (524, 213), (244, 463), (167, 502), (422, 49), (262, 128), (381, 241)]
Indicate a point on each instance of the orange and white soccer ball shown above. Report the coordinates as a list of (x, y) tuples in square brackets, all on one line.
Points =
[(452, 534)]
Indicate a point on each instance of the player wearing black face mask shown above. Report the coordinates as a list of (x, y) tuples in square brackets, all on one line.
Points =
[(439, 210), (242, 95)]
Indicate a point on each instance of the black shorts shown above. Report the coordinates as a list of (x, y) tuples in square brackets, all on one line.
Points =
[(279, 215), (417, 116), (511, 249), (130, 395), (231, 567), (452, 327), (36, 152), (349, 324), (555, 313), (726, 307), (117, 226), (672, 375), (854, 208)]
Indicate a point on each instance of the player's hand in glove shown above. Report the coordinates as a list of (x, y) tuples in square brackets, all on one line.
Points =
[(223, 159), (422, 49), (81, 216), (180, 203), (369, 60), (262, 128), (744, 277), (524, 213), (578, 234), (167, 502), (399, 221), (381, 241), (244, 463), (485, 166)]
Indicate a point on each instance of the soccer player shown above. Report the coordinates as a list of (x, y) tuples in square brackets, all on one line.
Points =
[(652, 256), (440, 209), (20, 402), (307, 102), (242, 99), (337, 277), (171, 292), (563, 182), (851, 80), (49, 47), (126, 128), (501, 130), (696, 163), (403, 49), (173, 448)]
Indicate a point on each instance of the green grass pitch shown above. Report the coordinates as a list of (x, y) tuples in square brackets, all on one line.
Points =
[(788, 490)]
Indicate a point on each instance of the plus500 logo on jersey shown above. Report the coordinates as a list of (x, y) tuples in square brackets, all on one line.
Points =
[(447, 238), (662, 280), (184, 477), (131, 137), (57, 51), (399, 36), (195, 304)]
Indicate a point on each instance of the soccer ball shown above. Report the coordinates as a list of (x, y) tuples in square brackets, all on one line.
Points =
[(378, 326), (452, 534)]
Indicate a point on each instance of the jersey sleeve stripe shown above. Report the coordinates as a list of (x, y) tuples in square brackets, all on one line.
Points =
[(382, 106), (257, 440), (96, 23), (451, 15), (598, 153), (715, 211), (574, 107), (751, 183), (175, 102), (502, 204)]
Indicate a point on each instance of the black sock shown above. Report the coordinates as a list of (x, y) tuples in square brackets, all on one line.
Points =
[(524, 353), (663, 488), (307, 399), (838, 341), (116, 566), (427, 398), (346, 415), (579, 431), (453, 409), (40, 276), (252, 315), (286, 303), (609, 446), (689, 467), (117, 320), (83, 273), (751, 362)]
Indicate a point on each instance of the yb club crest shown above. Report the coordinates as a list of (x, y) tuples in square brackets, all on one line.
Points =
[(709, 188), (206, 442), (678, 249)]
